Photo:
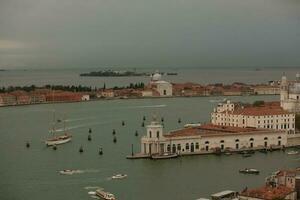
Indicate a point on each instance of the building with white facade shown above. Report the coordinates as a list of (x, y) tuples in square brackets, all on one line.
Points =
[(164, 88), (270, 115), (290, 94), (209, 138)]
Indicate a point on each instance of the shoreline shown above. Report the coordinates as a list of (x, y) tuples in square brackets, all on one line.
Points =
[(134, 98)]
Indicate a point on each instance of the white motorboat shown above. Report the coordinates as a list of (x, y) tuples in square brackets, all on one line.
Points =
[(249, 171), (119, 176), (105, 195), (191, 125), (69, 172), (292, 152)]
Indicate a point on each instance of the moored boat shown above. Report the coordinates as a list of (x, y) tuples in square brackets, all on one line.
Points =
[(105, 195), (249, 171), (164, 156), (292, 152)]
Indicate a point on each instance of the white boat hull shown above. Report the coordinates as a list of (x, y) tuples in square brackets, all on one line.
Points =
[(58, 142)]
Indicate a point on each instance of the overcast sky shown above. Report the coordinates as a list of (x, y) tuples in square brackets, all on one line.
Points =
[(143, 33)]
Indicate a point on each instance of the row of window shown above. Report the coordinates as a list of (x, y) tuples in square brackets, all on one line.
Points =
[(196, 146)]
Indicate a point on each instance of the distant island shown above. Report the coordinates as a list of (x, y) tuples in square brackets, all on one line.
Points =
[(111, 73)]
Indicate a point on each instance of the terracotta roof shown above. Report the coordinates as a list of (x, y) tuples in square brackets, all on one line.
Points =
[(267, 192), (211, 130), (270, 108)]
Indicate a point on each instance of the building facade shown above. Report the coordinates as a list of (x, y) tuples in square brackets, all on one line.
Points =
[(290, 94), (267, 116), (164, 88), (208, 139)]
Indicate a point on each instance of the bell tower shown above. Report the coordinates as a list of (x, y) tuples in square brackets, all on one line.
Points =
[(284, 95), (155, 129)]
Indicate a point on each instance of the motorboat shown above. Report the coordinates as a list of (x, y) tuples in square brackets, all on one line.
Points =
[(192, 125), (249, 171), (292, 152), (105, 195), (119, 176), (164, 156), (69, 172)]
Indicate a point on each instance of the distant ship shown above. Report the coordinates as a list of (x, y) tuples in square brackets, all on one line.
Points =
[(61, 139)]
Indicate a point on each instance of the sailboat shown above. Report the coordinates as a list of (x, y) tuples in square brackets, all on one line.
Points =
[(61, 139)]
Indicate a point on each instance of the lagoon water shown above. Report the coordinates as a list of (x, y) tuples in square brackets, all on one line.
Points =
[(204, 75), (32, 174)]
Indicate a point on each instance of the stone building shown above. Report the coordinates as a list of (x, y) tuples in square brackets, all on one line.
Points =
[(290, 94), (209, 138), (267, 116)]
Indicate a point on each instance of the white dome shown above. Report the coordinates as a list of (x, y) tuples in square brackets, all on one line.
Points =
[(156, 76)]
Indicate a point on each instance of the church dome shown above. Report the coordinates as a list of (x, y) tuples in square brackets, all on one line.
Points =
[(156, 76)]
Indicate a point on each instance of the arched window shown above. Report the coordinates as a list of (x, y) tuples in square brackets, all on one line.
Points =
[(251, 139), (222, 141), (197, 145), (178, 147), (207, 142), (173, 148), (157, 134), (168, 148), (150, 133), (187, 146), (265, 138), (279, 137), (237, 140)]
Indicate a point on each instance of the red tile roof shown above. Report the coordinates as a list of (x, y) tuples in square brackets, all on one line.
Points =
[(211, 129), (269, 108), (267, 192)]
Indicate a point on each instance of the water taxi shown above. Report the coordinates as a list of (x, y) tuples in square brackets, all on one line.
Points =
[(69, 172), (249, 171), (119, 176), (105, 195)]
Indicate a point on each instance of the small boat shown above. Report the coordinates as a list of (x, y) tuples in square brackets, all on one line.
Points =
[(164, 156), (292, 152), (263, 150), (246, 155), (249, 171), (191, 125), (69, 172), (119, 176), (105, 195), (228, 153)]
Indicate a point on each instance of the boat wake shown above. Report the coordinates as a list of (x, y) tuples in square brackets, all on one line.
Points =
[(93, 188), (150, 106), (79, 119)]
